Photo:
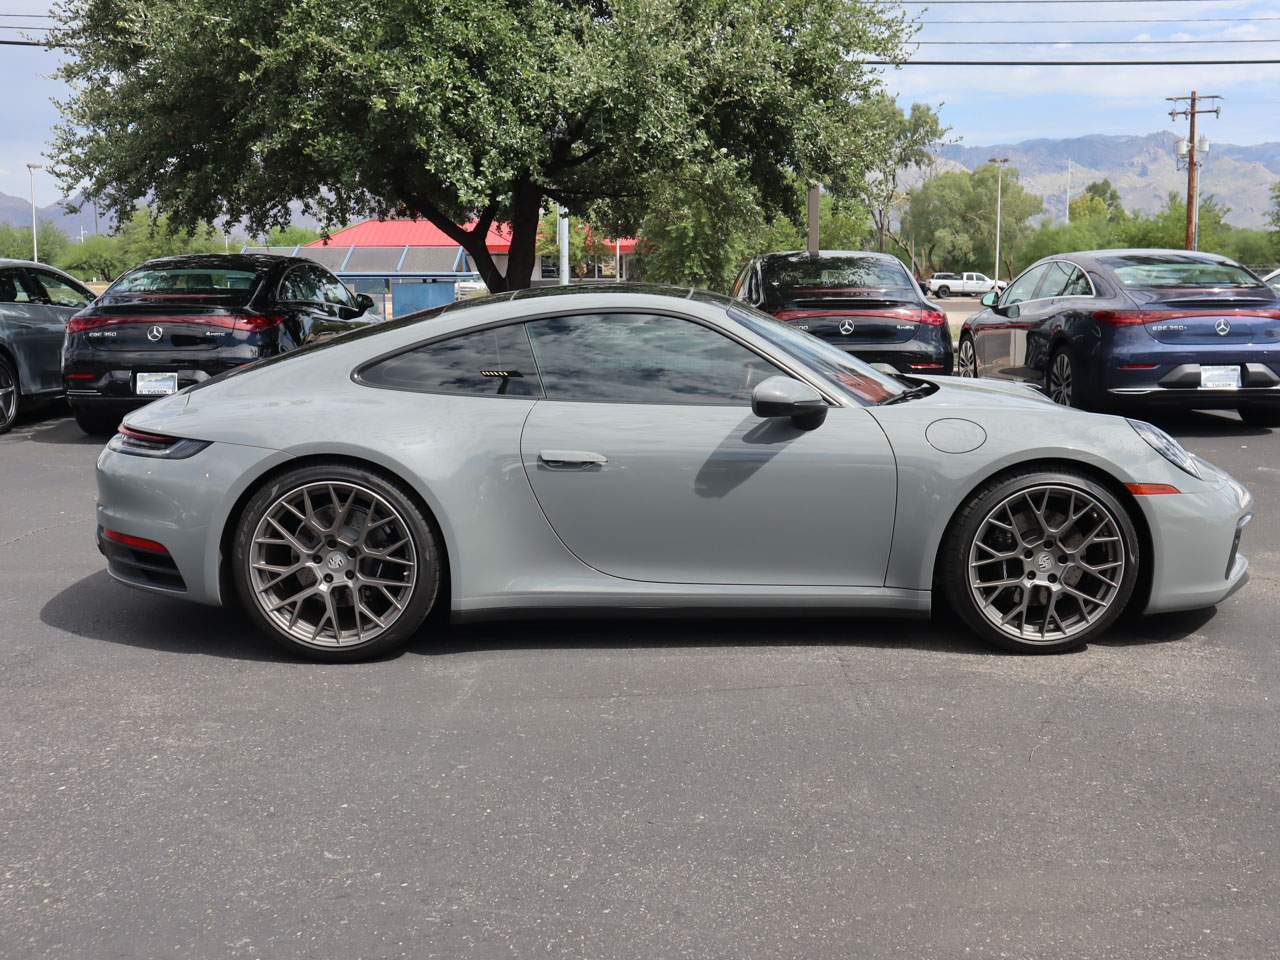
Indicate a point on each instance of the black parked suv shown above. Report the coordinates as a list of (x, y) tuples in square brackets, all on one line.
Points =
[(867, 304), (176, 321)]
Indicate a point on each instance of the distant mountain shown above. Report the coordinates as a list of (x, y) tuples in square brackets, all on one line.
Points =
[(16, 211), (1142, 168)]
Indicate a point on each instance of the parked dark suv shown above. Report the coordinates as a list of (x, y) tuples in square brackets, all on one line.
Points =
[(176, 321), (867, 304)]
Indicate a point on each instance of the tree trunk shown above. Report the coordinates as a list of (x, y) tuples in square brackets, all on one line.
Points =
[(526, 209)]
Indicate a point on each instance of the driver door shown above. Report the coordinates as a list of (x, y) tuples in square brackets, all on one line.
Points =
[(649, 464)]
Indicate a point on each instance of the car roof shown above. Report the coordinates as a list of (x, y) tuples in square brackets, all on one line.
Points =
[(822, 254), (1097, 255), (6, 263), (225, 261)]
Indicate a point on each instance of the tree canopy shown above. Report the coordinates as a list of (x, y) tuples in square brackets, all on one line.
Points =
[(464, 112)]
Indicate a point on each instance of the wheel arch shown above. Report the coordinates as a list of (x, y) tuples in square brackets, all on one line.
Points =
[(226, 582), (1141, 590)]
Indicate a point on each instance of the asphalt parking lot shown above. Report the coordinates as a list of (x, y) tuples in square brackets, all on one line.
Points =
[(171, 787)]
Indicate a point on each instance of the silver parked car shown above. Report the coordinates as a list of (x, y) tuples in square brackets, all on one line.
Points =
[(35, 303), (629, 449)]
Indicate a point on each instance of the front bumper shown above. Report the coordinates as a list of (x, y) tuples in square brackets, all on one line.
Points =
[(1196, 560), (183, 505)]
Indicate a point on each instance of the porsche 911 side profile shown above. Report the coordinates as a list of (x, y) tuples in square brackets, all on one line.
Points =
[(631, 449)]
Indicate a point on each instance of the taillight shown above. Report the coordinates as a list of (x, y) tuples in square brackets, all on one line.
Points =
[(138, 543), (933, 318), (139, 443), (252, 322), (1128, 318)]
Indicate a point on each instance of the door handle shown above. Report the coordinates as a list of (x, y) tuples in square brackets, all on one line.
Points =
[(567, 459)]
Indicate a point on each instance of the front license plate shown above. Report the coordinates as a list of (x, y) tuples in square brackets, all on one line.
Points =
[(1220, 378), (156, 384)]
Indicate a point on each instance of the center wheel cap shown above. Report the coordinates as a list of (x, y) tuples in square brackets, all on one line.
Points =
[(1044, 563), (336, 561)]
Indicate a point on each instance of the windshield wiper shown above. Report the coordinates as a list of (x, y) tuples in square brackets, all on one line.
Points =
[(909, 394)]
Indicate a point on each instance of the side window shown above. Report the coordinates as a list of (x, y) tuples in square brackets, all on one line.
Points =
[(489, 363), (59, 292), (1024, 288), (1056, 275), (335, 291), (740, 282), (1077, 284), (302, 284), (16, 288), (643, 358)]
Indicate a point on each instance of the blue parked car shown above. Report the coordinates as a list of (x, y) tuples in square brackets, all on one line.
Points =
[(1134, 329), (35, 303)]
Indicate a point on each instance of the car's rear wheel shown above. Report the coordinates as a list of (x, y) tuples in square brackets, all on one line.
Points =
[(966, 358), (944, 291), (336, 562), (96, 422), (1040, 561), (10, 397), (1060, 380), (1260, 416)]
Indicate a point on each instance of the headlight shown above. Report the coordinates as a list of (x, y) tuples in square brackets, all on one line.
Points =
[(1167, 447)]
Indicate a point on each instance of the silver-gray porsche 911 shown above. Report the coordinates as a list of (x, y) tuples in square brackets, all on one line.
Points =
[(635, 449)]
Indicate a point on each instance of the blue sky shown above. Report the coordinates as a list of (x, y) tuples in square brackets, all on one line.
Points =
[(982, 105)]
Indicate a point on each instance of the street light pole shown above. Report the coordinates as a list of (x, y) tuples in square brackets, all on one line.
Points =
[(35, 244), (999, 162)]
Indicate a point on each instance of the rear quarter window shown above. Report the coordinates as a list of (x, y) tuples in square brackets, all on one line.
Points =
[(496, 362)]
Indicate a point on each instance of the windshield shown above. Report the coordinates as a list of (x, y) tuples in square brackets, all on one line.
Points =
[(1171, 270), (185, 283), (790, 281), (852, 376)]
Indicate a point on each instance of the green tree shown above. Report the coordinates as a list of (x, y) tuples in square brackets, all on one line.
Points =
[(1087, 206), (906, 140), (15, 242), (463, 112), (1273, 216), (96, 257), (1108, 195), (291, 236)]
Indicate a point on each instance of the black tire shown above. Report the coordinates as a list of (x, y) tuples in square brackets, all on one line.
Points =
[(420, 527), (954, 557), (944, 291), (97, 423), (1260, 415), (966, 364), (1060, 363), (10, 395)]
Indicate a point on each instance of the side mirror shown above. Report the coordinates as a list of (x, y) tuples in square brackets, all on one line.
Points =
[(364, 303), (785, 397), (989, 298)]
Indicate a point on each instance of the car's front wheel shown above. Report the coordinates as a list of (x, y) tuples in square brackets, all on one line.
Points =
[(966, 358), (9, 395), (336, 562), (1040, 561)]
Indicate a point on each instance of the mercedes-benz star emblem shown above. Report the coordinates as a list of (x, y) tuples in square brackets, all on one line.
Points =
[(1223, 327), (846, 327), (155, 333)]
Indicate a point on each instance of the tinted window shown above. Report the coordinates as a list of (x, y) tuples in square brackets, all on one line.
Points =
[(642, 358), (15, 288), (60, 292), (303, 285), (793, 279), (1078, 284), (495, 362), (1024, 288), (1056, 275), (334, 290), (183, 280), (1173, 270)]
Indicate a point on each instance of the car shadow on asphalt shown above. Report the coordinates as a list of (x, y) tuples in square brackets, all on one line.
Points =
[(98, 608), (58, 429), (1203, 424)]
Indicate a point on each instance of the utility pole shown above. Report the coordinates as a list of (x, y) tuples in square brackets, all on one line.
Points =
[(1191, 111), (815, 209), (35, 244), (562, 235), (1068, 191), (1000, 165)]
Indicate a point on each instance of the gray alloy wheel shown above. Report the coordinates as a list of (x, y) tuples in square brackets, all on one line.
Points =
[(1060, 380), (1041, 562), (966, 359), (9, 397), (336, 563)]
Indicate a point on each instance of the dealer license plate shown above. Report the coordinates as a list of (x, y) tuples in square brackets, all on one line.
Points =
[(156, 384), (1220, 378)]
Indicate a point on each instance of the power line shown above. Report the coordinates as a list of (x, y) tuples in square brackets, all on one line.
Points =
[(23, 43), (1066, 63), (1104, 20), (27, 16), (1074, 43)]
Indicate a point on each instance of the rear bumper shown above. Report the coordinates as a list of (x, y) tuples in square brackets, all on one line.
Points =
[(1140, 371), (1197, 538), (183, 505), (910, 357)]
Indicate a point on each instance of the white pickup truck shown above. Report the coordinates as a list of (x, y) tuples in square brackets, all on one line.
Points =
[(964, 284)]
